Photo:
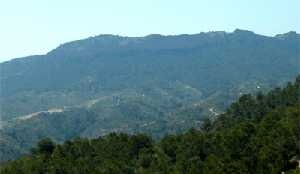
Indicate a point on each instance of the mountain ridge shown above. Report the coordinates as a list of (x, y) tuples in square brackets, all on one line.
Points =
[(157, 84), (212, 33), (95, 62)]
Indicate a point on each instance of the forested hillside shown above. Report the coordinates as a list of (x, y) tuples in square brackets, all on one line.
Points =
[(155, 84), (95, 67), (257, 134)]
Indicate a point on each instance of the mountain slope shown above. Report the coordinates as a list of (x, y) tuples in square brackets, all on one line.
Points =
[(264, 139), (209, 62), (154, 84)]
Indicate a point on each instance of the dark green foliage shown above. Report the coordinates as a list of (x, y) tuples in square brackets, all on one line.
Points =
[(157, 85), (254, 108), (45, 146), (247, 139)]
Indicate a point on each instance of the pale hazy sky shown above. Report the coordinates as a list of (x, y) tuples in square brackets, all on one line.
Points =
[(31, 27)]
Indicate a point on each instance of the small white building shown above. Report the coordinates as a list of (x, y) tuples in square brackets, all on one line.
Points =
[(294, 163), (296, 160)]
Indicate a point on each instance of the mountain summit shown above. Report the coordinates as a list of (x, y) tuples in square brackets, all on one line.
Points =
[(111, 83)]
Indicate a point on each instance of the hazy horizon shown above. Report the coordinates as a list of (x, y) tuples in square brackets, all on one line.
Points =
[(50, 49), (34, 27)]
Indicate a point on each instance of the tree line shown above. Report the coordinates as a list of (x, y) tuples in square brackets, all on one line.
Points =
[(256, 135)]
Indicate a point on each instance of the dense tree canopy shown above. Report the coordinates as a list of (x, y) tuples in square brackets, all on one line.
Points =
[(156, 85), (258, 134)]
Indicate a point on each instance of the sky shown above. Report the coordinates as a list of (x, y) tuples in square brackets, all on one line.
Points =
[(31, 27)]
